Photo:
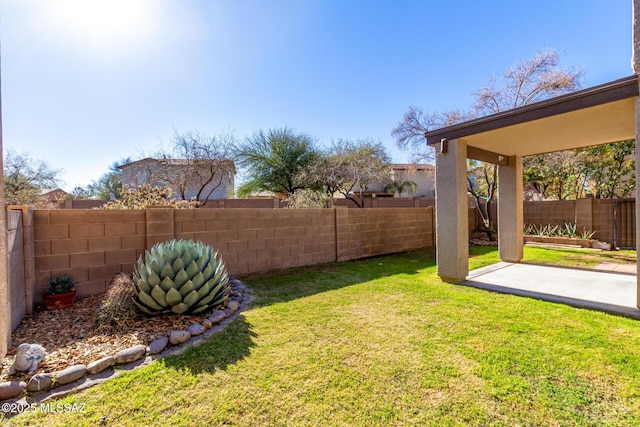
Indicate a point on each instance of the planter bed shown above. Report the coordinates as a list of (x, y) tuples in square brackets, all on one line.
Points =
[(570, 241)]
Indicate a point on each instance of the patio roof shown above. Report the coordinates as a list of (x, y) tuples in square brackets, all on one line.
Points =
[(593, 116)]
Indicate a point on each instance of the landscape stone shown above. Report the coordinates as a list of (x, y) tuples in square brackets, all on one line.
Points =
[(11, 389), (217, 316), (158, 345), (178, 337), (233, 305), (131, 354), (40, 382), (71, 374), (100, 365), (228, 312), (196, 329), (207, 323)]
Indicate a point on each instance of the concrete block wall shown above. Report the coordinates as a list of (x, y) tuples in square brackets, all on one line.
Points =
[(262, 239), (602, 217), (390, 202), (15, 268), (550, 212), (365, 232), (588, 214), (94, 245), (90, 245)]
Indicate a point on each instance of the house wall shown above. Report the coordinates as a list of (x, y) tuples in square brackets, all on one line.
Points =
[(141, 172), (425, 180)]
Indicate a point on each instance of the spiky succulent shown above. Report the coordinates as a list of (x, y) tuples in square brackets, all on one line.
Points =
[(180, 276), (61, 284)]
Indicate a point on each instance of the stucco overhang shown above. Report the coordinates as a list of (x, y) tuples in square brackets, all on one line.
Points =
[(597, 115)]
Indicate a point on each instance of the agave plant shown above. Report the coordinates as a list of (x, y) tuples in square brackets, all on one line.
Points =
[(61, 285), (180, 276)]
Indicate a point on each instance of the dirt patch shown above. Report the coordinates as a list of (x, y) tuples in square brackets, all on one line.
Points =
[(70, 336)]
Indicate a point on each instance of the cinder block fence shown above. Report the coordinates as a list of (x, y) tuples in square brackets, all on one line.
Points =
[(94, 245)]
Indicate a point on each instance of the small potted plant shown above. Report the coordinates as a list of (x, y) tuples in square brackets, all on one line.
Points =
[(61, 292)]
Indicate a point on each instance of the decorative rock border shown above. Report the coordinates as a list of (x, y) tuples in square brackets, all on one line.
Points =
[(46, 386)]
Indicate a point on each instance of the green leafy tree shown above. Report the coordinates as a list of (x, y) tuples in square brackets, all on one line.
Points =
[(109, 186), (349, 168), (610, 169), (80, 193), (273, 161), (25, 177), (559, 175)]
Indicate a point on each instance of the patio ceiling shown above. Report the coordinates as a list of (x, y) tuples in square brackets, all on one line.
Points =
[(597, 115)]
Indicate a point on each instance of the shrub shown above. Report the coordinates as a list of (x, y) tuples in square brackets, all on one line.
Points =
[(147, 195), (308, 199), (566, 230)]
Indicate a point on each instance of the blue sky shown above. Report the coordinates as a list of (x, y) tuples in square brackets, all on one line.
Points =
[(85, 83)]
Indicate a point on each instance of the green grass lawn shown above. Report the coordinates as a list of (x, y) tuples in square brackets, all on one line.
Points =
[(385, 342)]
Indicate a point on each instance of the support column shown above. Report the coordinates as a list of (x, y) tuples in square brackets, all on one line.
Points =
[(452, 211), (637, 111), (510, 210), (635, 65)]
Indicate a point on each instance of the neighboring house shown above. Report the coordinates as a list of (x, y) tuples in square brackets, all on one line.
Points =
[(53, 194), (423, 175), (184, 177)]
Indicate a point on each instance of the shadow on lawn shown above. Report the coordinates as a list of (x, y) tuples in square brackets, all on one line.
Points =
[(299, 282), (234, 343), (219, 351)]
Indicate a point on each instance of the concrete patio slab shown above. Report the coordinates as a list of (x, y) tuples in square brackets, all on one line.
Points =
[(610, 292)]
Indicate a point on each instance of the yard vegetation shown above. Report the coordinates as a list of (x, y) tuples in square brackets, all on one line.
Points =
[(383, 341)]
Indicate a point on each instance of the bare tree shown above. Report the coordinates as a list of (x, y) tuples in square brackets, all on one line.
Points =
[(24, 177), (409, 133), (350, 168), (194, 164), (528, 81)]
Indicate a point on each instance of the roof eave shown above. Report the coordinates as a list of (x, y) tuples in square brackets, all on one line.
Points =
[(616, 90)]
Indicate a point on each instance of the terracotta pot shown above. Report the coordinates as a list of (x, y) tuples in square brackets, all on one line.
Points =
[(57, 301)]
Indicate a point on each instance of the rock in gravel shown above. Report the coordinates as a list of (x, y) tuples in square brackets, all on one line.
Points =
[(196, 329), (11, 389), (207, 324), (217, 316), (227, 312), (131, 354), (158, 345), (233, 305), (178, 337), (100, 365), (40, 382), (70, 374)]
